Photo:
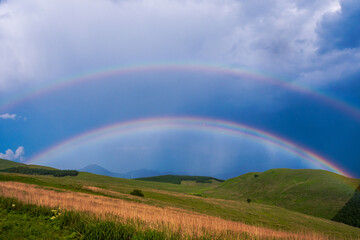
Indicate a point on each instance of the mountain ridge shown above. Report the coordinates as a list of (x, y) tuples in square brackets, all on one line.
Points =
[(139, 173)]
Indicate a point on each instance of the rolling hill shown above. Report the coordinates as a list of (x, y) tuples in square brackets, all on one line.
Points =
[(314, 192), (9, 164)]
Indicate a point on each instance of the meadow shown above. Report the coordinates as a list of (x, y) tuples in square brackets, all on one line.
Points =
[(167, 220), (168, 211)]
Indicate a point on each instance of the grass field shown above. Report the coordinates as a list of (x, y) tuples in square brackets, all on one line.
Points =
[(30, 221), (171, 221), (193, 199)]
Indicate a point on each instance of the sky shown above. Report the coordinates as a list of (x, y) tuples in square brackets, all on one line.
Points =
[(286, 69)]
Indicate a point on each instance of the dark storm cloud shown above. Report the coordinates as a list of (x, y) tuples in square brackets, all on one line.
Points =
[(341, 30)]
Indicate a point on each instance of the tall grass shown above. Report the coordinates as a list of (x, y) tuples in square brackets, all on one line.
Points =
[(67, 224), (142, 217)]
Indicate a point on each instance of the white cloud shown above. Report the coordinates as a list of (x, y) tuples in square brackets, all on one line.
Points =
[(17, 156), (8, 116)]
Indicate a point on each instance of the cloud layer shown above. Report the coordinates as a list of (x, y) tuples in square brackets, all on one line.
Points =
[(278, 36), (341, 30), (17, 156)]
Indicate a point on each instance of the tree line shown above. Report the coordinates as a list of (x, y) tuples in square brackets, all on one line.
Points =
[(41, 171)]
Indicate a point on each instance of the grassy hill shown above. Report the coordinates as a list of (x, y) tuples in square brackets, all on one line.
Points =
[(179, 196), (314, 192), (178, 179), (9, 164)]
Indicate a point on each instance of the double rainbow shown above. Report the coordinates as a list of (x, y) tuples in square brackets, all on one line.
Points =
[(181, 122)]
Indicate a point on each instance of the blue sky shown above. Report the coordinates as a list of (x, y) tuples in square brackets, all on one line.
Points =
[(312, 44)]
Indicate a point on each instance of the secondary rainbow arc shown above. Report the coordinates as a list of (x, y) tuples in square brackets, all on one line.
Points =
[(197, 124), (103, 73)]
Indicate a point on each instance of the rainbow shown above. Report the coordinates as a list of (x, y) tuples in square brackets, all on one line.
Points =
[(123, 70), (192, 123)]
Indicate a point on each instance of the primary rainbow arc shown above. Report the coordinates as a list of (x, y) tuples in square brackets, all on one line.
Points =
[(197, 124)]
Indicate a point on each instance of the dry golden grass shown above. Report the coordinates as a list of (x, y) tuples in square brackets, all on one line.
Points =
[(190, 223), (108, 192)]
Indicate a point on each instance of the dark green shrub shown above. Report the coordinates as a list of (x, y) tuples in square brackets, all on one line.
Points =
[(137, 192), (248, 200)]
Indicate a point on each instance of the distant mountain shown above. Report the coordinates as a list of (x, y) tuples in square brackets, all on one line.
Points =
[(97, 169)]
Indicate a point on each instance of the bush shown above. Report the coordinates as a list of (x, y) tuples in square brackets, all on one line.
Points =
[(137, 192), (248, 200)]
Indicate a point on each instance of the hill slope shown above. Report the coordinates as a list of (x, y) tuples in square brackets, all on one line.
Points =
[(9, 164), (315, 192)]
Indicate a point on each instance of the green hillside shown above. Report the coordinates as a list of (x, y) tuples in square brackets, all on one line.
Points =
[(10, 164), (177, 179), (182, 196), (314, 192)]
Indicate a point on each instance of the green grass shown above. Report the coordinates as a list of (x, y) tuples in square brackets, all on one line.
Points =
[(27, 221), (261, 211), (253, 213), (315, 192), (177, 179), (20, 221)]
